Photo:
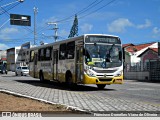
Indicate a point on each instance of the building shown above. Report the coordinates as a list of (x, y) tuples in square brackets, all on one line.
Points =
[(137, 59), (18, 56), (12, 58), (3, 54)]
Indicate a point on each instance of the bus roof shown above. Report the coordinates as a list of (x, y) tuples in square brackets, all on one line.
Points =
[(70, 39)]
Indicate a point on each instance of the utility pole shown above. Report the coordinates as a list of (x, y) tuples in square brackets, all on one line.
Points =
[(55, 30), (35, 31)]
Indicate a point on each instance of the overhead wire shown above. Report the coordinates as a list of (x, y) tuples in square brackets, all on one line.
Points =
[(93, 4), (84, 10), (9, 8), (97, 9)]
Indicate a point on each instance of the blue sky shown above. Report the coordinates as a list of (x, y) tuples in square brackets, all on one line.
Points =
[(134, 21)]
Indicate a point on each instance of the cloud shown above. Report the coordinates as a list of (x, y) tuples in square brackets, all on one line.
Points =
[(119, 25), (3, 47), (145, 25), (63, 33), (51, 19), (85, 28), (156, 30), (7, 32)]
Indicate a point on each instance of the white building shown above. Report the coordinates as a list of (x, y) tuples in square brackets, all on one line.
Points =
[(12, 58), (137, 59)]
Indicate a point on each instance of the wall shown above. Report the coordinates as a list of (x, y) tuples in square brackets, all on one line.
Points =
[(136, 75)]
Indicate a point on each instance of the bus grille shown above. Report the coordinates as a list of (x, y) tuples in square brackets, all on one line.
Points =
[(105, 71), (105, 80)]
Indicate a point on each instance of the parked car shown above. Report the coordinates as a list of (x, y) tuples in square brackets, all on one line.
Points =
[(22, 70)]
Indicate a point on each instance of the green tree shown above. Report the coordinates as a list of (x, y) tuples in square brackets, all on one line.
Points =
[(74, 29)]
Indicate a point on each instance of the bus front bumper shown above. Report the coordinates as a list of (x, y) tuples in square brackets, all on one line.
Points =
[(102, 80)]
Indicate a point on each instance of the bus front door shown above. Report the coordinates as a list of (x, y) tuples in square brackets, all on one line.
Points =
[(79, 64), (55, 65)]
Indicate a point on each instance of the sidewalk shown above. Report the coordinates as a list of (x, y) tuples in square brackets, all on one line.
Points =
[(79, 100)]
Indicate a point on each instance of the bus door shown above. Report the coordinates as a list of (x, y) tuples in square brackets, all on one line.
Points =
[(79, 64), (55, 65), (35, 65)]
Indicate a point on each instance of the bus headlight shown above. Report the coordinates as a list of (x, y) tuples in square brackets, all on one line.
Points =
[(90, 73), (118, 74)]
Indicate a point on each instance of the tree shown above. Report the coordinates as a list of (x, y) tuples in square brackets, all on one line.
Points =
[(74, 29)]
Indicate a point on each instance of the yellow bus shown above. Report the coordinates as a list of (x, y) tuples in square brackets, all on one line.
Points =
[(87, 59)]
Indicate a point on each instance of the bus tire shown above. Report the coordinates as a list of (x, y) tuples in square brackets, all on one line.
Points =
[(68, 78), (101, 86), (41, 77)]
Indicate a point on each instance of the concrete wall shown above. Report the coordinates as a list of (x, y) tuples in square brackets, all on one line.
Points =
[(136, 75)]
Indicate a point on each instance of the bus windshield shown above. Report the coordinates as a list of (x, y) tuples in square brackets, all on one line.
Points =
[(103, 55)]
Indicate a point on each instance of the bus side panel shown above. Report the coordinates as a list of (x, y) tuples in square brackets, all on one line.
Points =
[(46, 67), (63, 67)]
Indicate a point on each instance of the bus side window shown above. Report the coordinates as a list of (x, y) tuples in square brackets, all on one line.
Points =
[(31, 56), (62, 51), (70, 50), (48, 53)]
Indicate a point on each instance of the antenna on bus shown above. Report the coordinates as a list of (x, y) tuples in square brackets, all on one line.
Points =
[(55, 29)]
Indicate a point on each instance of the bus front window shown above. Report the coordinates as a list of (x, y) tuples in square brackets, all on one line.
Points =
[(103, 56)]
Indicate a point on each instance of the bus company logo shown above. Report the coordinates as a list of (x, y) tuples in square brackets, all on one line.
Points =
[(6, 114), (23, 114)]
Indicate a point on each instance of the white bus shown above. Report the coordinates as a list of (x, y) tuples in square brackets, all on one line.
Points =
[(87, 59)]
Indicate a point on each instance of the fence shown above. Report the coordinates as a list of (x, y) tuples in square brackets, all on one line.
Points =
[(149, 70)]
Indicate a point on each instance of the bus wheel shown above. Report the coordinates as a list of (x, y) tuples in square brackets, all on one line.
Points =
[(41, 77), (69, 80), (101, 86)]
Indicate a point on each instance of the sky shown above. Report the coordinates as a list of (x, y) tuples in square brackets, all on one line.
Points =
[(134, 21)]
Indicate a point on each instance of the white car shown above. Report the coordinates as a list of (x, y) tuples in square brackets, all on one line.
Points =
[(22, 70)]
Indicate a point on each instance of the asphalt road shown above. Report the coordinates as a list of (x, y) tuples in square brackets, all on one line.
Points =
[(133, 95)]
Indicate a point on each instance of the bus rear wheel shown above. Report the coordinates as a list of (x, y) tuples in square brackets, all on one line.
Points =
[(101, 86), (41, 77)]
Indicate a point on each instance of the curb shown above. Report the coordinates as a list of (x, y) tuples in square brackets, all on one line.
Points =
[(76, 109)]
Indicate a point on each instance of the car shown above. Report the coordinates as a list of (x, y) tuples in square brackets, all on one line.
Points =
[(22, 70)]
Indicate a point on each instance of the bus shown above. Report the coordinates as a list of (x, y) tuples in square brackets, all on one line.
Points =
[(86, 59)]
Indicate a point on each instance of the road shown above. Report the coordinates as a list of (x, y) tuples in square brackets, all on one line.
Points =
[(130, 96)]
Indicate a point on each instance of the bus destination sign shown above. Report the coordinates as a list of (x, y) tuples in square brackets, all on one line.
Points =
[(102, 39)]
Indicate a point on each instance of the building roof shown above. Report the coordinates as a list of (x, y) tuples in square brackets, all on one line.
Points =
[(3, 59), (138, 47), (127, 45), (153, 49)]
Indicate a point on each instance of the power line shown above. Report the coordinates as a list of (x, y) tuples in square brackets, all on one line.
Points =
[(7, 9), (93, 4), (97, 9), (83, 11)]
